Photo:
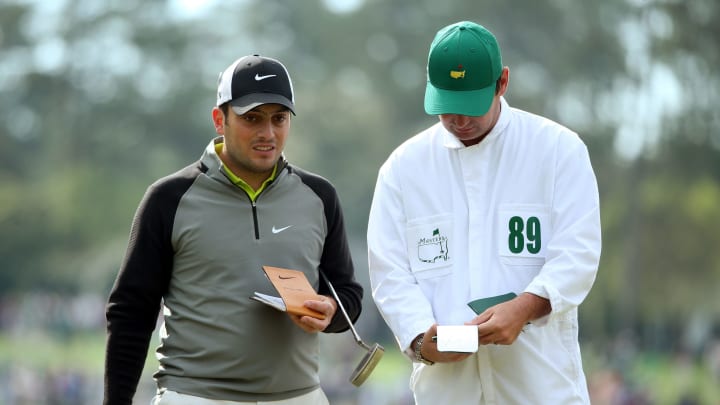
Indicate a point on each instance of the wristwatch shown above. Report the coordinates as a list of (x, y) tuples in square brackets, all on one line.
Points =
[(418, 351)]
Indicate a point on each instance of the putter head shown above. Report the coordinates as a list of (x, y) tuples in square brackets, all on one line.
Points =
[(367, 364)]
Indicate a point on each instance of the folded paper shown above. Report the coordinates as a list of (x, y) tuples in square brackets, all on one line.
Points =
[(457, 338), (294, 289)]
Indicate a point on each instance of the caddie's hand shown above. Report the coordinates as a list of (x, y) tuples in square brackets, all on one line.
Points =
[(501, 324), (430, 352), (326, 305)]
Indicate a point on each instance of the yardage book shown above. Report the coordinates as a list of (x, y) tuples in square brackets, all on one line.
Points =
[(294, 289), (480, 305)]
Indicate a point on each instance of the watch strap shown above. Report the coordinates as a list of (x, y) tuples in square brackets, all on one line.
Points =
[(418, 351)]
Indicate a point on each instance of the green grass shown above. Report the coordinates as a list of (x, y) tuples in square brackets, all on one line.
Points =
[(81, 352), (668, 378), (662, 378), (392, 365)]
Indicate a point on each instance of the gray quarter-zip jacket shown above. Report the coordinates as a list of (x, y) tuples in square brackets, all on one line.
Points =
[(197, 245)]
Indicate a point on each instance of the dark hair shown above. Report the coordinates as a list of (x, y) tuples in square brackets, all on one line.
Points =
[(224, 107)]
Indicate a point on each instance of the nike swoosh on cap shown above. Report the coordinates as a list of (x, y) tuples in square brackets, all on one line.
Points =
[(258, 77), (278, 230)]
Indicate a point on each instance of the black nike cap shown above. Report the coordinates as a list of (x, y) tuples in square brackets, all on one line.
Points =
[(254, 80)]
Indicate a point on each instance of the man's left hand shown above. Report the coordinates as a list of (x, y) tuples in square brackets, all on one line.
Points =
[(309, 324), (501, 324)]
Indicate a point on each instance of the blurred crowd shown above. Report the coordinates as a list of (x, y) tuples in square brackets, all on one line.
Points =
[(20, 385), (57, 314), (35, 322)]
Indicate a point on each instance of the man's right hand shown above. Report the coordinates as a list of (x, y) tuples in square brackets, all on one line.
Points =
[(430, 352)]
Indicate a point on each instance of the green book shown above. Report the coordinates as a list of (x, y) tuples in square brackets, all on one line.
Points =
[(480, 305)]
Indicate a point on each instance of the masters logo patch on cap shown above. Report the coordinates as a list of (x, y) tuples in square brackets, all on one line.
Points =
[(464, 64)]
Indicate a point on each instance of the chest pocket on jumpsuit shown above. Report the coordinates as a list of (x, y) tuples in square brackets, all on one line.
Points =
[(429, 246)]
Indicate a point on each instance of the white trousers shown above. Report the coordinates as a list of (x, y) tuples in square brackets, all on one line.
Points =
[(168, 397)]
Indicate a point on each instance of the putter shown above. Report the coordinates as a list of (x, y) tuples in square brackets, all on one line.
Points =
[(374, 353)]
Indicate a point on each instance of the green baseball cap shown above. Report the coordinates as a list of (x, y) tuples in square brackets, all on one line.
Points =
[(463, 66)]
